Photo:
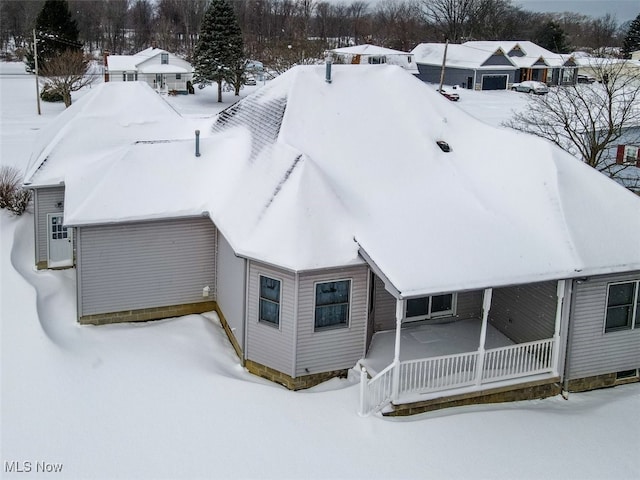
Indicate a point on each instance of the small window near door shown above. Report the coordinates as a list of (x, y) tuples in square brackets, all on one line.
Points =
[(269, 308), (178, 76), (432, 306)]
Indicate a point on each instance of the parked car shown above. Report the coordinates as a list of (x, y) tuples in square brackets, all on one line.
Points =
[(530, 86), (454, 97), (250, 80), (586, 79)]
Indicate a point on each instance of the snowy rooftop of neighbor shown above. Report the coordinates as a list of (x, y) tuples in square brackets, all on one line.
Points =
[(368, 49), (304, 174), (122, 63), (532, 52), (459, 56)]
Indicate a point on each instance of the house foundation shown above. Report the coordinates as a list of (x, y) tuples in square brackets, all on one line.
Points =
[(603, 381), (298, 383), (146, 314), (523, 391)]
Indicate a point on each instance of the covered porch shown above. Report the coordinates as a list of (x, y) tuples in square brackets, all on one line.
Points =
[(424, 360)]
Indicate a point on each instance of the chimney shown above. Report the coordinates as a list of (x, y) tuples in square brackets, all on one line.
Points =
[(197, 143), (154, 44), (105, 54), (328, 69)]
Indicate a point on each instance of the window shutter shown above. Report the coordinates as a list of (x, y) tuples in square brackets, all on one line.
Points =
[(620, 155)]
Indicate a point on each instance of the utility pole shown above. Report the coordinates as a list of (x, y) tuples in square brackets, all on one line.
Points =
[(444, 61), (35, 57)]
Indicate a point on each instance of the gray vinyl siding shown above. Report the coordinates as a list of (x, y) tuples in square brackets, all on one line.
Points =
[(497, 60), (525, 313), (231, 283), (144, 265), (452, 76), (591, 351), (331, 349), (45, 201), (385, 307), (266, 344)]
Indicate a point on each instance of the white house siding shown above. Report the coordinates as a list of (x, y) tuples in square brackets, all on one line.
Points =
[(45, 200), (525, 313), (331, 349), (468, 305), (231, 283), (144, 265), (591, 351), (266, 344)]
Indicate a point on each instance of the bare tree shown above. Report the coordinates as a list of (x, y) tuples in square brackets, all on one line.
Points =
[(590, 120), (67, 73), (451, 17)]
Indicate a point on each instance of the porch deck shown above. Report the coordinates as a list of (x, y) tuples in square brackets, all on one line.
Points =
[(440, 359), (430, 340)]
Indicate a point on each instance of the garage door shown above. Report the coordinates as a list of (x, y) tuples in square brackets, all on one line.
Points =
[(494, 82)]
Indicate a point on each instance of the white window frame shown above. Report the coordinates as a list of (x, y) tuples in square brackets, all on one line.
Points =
[(164, 59), (630, 156), (260, 298), (341, 325), (634, 311), (430, 315)]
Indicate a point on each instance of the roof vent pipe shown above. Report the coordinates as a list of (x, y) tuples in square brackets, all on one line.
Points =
[(197, 143), (328, 69)]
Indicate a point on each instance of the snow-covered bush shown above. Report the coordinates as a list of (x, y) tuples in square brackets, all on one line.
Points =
[(13, 197)]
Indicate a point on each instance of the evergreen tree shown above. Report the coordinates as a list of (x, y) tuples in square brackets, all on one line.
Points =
[(632, 38), (56, 32), (220, 47), (552, 37)]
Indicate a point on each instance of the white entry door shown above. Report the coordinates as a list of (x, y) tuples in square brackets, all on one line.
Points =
[(59, 243)]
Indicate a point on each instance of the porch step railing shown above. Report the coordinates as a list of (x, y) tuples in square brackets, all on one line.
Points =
[(446, 372)]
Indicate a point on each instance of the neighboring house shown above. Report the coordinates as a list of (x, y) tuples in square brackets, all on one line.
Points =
[(373, 55), (493, 65), (596, 67), (635, 56), (451, 259), (466, 66), (627, 159), (160, 69), (534, 62)]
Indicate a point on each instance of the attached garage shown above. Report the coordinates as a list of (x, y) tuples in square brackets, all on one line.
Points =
[(494, 82)]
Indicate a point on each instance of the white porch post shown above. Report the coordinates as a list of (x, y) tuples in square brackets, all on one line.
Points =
[(556, 333), (486, 305), (396, 355)]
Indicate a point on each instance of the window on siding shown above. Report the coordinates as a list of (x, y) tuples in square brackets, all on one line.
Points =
[(178, 76), (628, 155), (332, 304), (431, 306), (269, 308), (623, 306), (164, 58)]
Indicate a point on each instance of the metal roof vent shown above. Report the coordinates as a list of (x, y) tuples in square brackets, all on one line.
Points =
[(444, 146)]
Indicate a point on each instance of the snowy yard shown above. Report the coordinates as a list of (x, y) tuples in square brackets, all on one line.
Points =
[(169, 399)]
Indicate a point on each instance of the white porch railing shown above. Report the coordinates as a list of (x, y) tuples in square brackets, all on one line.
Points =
[(515, 361), (455, 371)]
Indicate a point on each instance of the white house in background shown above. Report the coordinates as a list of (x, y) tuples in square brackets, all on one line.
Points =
[(163, 71), (454, 261), (373, 55)]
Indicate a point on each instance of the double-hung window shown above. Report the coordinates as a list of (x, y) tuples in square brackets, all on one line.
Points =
[(332, 304), (423, 308), (623, 306), (164, 58), (269, 309)]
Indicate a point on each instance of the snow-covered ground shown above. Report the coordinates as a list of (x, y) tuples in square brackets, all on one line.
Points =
[(169, 399)]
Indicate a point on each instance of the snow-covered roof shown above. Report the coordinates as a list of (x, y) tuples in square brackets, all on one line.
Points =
[(166, 68), (368, 49), (305, 174), (122, 63), (131, 63), (112, 115), (458, 56), (533, 53)]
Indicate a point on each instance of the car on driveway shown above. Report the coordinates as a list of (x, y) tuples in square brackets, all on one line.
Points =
[(530, 86), (586, 79), (453, 96)]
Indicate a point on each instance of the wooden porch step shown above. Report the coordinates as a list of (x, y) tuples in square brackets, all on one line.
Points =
[(532, 390)]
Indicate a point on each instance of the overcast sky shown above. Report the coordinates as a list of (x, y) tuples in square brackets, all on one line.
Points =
[(623, 10)]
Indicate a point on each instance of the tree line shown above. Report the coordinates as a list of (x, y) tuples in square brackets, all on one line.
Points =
[(292, 31)]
